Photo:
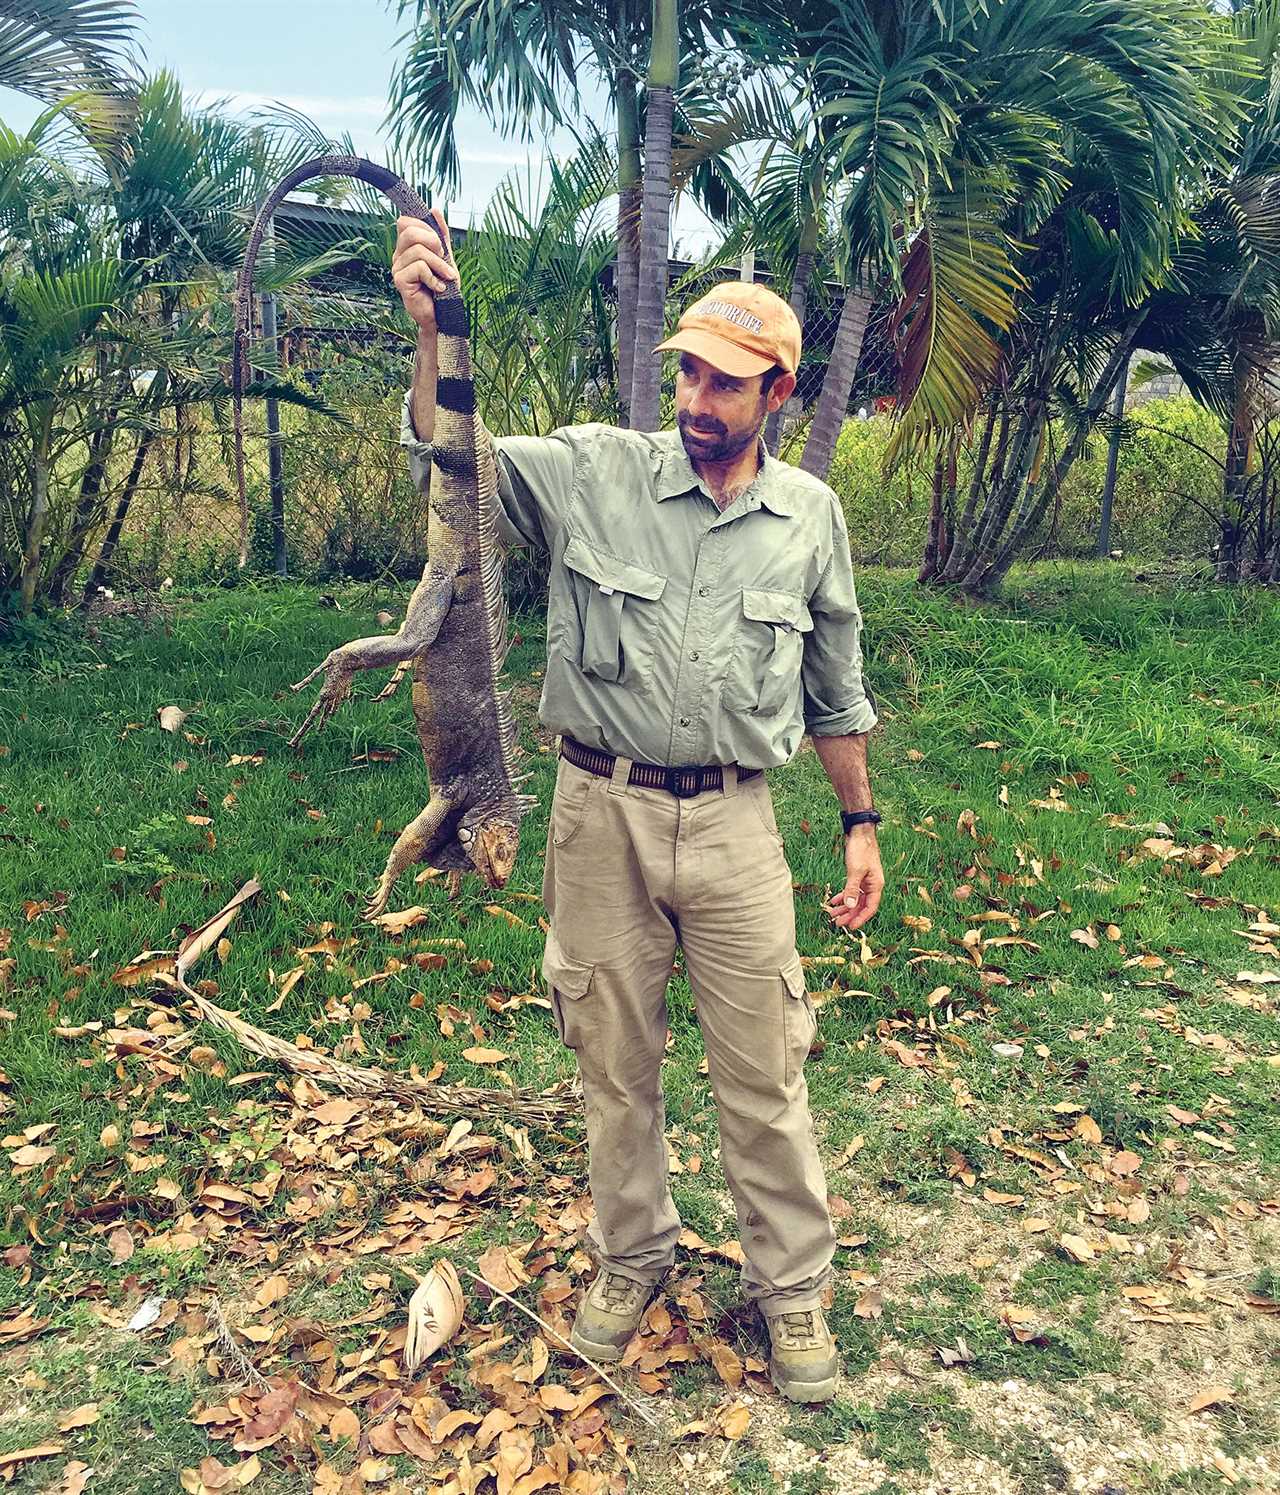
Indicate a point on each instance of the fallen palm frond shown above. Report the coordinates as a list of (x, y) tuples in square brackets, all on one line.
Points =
[(542, 1108)]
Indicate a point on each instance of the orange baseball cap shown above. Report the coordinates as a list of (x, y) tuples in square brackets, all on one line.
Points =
[(741, 329)]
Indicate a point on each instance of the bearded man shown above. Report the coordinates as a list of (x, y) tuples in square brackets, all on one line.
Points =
[(701, 619)]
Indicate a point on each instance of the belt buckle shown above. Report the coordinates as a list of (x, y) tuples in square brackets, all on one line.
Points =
[(675, 785)]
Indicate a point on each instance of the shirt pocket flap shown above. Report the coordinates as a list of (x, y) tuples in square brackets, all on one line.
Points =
[(793, 977), (782, 609), (611, 574), (570, 977)]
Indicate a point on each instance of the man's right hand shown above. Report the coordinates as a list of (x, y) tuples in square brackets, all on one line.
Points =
[(420, 267)]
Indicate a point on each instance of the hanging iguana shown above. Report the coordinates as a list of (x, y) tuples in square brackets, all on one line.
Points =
[(454, 635)]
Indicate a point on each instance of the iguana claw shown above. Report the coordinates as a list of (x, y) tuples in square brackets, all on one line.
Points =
[(334, 691)]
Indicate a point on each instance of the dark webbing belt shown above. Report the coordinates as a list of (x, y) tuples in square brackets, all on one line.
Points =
[(684, 782)]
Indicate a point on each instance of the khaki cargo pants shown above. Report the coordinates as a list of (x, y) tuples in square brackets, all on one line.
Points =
[(631, 871)]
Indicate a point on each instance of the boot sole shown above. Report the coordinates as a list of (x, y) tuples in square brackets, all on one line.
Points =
[(609, 1354), (802, 1391)]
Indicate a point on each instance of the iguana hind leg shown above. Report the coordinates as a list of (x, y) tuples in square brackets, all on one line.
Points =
[(423, 619), (419, 840)]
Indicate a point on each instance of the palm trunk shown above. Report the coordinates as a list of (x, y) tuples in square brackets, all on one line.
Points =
[(965, 523), (968, 562), (103, 563), (1103, 547), (1034, 507), (798, 298), (655, 222), (833, 402), (628, 107), (1235, 476), (37, 516), (86, 515), (933, 557)]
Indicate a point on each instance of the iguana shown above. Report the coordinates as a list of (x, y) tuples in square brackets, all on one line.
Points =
[(455, 635)]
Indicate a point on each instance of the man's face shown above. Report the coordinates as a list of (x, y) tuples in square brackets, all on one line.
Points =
[(718, 416)]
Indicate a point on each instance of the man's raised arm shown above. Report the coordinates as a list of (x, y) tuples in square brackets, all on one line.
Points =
[(535, 474)]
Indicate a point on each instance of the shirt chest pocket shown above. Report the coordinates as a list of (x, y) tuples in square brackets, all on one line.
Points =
[(617, 614), (764, 672)]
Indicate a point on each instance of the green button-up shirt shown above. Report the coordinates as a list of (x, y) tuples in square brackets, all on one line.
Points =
[(677, 633)]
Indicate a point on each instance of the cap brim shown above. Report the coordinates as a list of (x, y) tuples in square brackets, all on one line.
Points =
[(719, 352)]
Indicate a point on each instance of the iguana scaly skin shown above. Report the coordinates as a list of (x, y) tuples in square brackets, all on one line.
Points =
[(455, 635)]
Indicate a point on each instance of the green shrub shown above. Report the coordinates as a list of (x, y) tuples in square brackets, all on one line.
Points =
[(1161, 483)]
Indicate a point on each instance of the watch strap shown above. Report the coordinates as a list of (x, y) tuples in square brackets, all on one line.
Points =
[(851, 818)]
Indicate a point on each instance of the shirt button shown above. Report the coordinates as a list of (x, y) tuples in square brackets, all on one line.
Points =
[(694, 655), (684, 721), (704, 591)]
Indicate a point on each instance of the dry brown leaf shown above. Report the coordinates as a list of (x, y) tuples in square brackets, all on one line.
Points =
[(338, 1112), (435, 1313), (1125, 1163), (498, 912), (733, 1420), (1077, 1248), (1211, 1396), (728, 1365), (870, 1305), (1088, 1130), (502, 1268), (121, 1243), (397, 923), (484, 1056), (26, 1455), (170, 718), (272, 1291), (31, 1156), (76, 1474), (344, 1424), (81, 1417)]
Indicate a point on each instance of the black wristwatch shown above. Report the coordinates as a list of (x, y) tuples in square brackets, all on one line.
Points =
[(850, 818)]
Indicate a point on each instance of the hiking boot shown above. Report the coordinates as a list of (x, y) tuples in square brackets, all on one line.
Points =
[(608, 1316), (802, 1363)]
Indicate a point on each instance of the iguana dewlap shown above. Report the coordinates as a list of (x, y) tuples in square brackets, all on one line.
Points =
[(455, 634)]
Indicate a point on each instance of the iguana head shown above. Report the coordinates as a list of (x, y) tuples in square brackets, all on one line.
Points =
[(492, 843)]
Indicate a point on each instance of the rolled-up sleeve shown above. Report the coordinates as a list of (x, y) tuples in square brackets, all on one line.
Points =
[(535, 479), (837, 701)]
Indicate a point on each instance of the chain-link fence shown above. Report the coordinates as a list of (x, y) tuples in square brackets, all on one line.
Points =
[(349, 506)]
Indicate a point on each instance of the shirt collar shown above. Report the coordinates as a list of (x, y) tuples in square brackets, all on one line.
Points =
[(675, 477)]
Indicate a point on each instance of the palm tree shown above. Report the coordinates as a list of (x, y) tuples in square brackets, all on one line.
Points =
[(655, 220), (926, 102), (1216, 317), (111, 276), (528, 64), (50, 49)]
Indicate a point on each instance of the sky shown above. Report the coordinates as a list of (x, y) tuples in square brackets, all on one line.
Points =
[(333, 60)]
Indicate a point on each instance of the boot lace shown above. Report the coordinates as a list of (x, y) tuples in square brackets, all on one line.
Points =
[(799, 1326), (617, 1292)]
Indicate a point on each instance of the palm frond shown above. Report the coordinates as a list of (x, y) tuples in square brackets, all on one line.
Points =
[(958, 295)]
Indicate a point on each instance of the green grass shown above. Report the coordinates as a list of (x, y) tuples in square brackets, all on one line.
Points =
[(1160, 706)]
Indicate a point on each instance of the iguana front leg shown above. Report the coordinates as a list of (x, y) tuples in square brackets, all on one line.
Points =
[(423, 618), (416, 843)]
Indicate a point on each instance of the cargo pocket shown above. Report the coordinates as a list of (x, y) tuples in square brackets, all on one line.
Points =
[(765, 671), (617, 614), (568, 981), (570, 801), (800, 1021)]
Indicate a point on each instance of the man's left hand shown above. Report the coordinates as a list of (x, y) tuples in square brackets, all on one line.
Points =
[(864, 881)]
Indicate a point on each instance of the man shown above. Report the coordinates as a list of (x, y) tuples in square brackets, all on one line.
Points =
[(701, 611)]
